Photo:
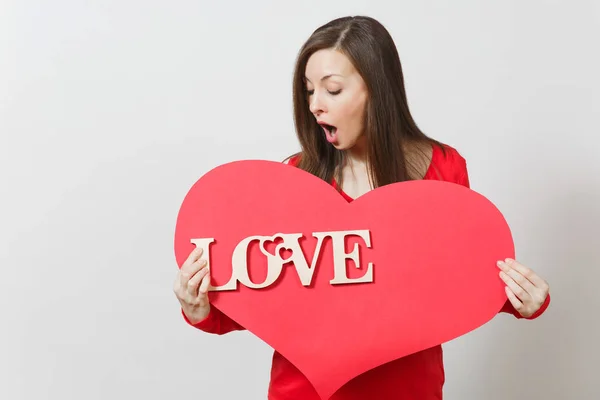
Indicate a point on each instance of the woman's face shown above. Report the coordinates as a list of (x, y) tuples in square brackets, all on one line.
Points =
[(337, 96)]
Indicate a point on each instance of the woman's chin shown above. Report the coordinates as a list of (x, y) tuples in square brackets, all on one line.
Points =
[(342, 145)]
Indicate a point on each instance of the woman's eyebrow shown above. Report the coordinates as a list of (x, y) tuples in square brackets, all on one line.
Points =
[(325, 77)]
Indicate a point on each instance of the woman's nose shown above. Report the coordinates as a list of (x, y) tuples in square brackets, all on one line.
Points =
[(316, 105)]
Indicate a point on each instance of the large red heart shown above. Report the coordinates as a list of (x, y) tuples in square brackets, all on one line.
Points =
[(434, 247)]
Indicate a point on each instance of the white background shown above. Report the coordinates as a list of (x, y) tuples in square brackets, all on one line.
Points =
[(110, 110)]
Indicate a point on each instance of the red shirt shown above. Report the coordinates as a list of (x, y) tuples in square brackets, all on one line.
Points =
[(419, 376)]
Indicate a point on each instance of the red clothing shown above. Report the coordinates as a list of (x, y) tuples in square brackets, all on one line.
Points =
[(419, 376)]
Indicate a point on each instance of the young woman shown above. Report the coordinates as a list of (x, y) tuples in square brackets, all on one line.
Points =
[(356, 132)]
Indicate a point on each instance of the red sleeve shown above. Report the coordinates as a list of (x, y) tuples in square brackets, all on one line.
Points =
[(459, 174), (509, 309), (448, 166), (462, 174), (216, 322)]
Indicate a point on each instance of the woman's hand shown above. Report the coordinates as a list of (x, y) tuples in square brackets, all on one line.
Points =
[(526, 291), (191, 287)]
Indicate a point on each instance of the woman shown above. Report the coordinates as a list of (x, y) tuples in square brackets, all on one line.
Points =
[(356, 131)]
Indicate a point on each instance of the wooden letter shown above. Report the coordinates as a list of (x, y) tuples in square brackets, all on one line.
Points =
[(340, 256)]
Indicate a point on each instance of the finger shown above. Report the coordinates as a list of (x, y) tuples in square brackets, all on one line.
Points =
[(192, 257), (527, 273), (194, 282), (204, 285), (517, 277), (516, 303), (521, 294), (191, 271)]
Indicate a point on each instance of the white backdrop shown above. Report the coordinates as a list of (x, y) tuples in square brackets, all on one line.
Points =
[(110, 110)]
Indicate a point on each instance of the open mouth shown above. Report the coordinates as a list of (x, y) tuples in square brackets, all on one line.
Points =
[(330, 132)]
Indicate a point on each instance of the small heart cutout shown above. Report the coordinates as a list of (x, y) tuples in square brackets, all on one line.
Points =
[(275, 246)]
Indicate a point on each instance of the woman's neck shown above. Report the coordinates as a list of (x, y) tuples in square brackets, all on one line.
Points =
[(357, 155)]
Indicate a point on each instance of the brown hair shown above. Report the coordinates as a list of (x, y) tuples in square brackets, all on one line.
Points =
[(389, 127)]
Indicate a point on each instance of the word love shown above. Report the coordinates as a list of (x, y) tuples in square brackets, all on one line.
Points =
[(291, 243)]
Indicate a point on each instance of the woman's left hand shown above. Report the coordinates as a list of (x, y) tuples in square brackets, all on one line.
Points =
[(526, 291)]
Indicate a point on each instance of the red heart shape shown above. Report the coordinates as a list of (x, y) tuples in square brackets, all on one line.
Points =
[(433, 250)]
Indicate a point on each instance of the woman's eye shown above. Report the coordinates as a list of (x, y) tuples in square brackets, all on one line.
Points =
[(333, 93)]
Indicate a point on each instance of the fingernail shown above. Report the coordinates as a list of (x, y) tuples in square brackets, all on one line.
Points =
[(499, 264)]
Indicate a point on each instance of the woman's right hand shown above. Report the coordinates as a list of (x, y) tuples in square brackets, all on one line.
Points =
[(191, 287)]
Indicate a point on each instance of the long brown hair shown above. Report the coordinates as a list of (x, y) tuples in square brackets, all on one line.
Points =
[(390, 129)]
